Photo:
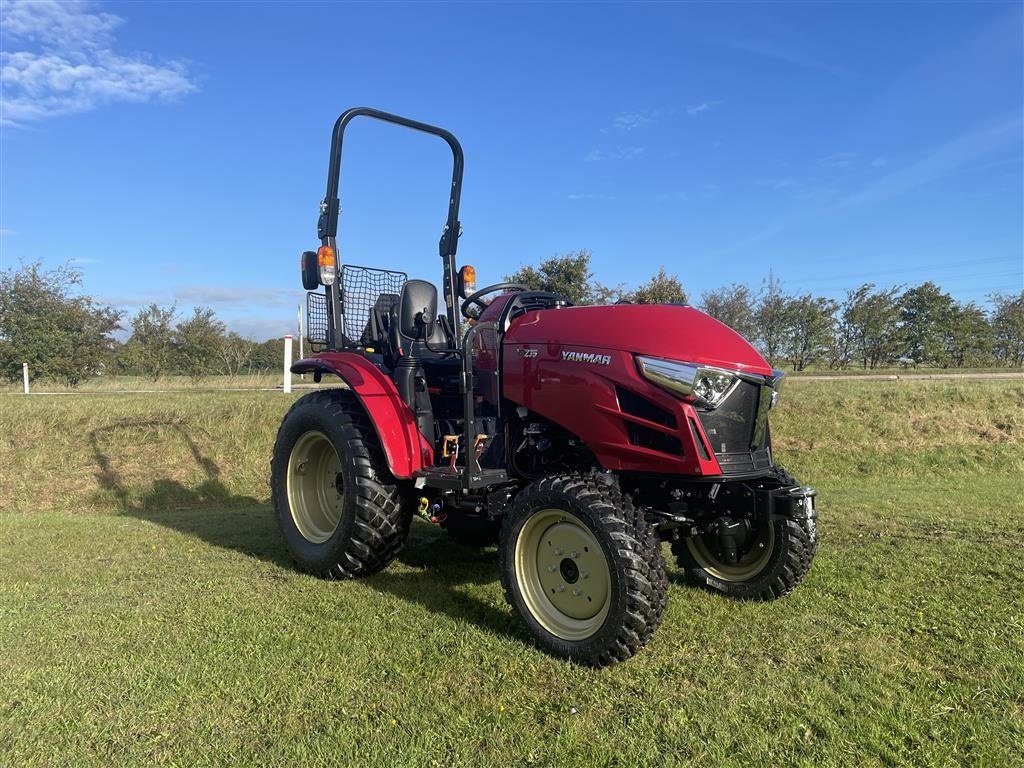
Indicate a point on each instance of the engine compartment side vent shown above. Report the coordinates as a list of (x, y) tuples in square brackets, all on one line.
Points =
[(642, 408), (527, 302), (701, 448), (645, 437)]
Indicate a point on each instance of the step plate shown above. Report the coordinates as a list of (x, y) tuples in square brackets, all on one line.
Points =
[(445, 479)]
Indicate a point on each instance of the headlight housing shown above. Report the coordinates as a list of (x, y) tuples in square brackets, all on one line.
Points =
[(707, 385)]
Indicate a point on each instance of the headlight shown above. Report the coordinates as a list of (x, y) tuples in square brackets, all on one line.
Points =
[(708, 386)]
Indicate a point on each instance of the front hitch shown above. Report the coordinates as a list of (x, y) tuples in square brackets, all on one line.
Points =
[(793, 502), (698, 511)]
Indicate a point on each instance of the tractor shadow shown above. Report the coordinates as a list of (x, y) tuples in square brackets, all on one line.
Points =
[(208, 511), (438, 575), (450, 579)]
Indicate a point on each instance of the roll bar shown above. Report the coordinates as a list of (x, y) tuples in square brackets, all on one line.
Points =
[(330, 208)]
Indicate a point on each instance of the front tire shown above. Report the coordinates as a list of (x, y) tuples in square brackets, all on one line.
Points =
[(583, 569), (338, 507), (778, 559)]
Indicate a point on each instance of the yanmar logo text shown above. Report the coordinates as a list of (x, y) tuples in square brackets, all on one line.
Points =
[(586, 357)]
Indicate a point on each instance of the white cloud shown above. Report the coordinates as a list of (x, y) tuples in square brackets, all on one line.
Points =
[(7, 232), (879, 162), (589, 196), (219, 296), (630, 121), (838, 160), (68, 65), (58, 24), (786, 183), (262, 328), (619, 153), (942, 160), (789, 54), (704, 106)]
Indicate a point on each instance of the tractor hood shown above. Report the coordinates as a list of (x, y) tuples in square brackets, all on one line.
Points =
[(658, 330)]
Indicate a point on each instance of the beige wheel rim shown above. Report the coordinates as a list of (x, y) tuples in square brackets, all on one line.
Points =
[(315, 490), (751, 564), (563, 574)]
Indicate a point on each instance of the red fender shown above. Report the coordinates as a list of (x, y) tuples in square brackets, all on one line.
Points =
[(405, 447)]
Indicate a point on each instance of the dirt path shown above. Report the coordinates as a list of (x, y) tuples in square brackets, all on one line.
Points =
[(1019, 375), (910, 376)]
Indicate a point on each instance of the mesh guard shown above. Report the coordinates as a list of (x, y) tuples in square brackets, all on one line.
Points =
[(316, 320), (361, 287)]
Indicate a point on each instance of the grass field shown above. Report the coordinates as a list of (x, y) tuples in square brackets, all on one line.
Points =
[(149, 613)]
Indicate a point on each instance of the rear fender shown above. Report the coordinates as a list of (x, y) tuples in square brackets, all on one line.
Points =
[(405, 448)]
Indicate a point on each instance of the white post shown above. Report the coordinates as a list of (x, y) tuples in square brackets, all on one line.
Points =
[(302, 353), (24, 376), (287, 364)]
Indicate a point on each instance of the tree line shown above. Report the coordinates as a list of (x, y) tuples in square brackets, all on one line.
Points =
[(64, 334), (872, 327)]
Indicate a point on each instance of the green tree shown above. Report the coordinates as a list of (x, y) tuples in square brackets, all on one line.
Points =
[(926, 313), (150, 350), (808, 329), (871, 320), (771, 319), (1008, 328), (236, 354), (662, 288), (268, 355), (198, 343), (568, 275), (732, 305), (968, 337), (60, 334)]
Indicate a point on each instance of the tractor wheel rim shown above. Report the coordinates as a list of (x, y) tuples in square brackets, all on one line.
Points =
[(563, 574), (749, 566), (315, 489)]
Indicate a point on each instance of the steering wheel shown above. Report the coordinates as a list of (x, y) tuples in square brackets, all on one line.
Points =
[(475, 297)]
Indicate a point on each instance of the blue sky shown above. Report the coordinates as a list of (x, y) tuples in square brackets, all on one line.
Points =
[(177, 152)]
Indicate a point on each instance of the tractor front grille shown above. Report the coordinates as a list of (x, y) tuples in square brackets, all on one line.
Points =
[(737, 438)]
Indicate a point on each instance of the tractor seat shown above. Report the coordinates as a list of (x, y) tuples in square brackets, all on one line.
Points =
[(414, 325)]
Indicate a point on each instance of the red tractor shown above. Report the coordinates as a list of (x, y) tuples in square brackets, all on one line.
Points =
[(577, 439)]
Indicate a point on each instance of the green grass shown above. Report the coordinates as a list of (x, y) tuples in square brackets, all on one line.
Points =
[(149, 613)]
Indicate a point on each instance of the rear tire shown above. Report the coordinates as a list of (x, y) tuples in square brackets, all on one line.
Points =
[(583, 568), (338, 507)]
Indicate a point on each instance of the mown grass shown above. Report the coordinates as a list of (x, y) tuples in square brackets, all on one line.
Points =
[(149, 613)]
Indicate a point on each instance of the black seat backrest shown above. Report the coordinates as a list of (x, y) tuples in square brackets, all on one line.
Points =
[(415, 317)]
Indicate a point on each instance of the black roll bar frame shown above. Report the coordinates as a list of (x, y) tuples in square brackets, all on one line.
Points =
[(330, 208)]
